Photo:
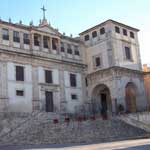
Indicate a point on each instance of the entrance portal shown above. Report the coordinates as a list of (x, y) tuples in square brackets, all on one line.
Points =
[(49, 101), (130, 97), (101, 99)]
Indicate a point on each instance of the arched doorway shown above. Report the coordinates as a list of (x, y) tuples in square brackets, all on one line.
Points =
[(130, 97), (101, 98)]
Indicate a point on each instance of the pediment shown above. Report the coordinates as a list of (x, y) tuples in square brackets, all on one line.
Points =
[(48, 29)]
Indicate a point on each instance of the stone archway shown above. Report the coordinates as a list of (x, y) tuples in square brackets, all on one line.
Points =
[(130, 97), (102, 98)]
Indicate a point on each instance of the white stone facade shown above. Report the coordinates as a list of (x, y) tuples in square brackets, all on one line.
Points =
[(42, 48)]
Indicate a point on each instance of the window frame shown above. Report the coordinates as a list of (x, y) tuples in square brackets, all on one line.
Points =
[(36, 40), (132, 35), (129, 52), (125, 32), (117, 29), (5, 36), (73, 80), (74, 96), (69, 49), (45, 42), (86, 37), (94, 34), (16, 36), (26, 39), (48, 73), (102, 31), (22, 71), (20, 95)]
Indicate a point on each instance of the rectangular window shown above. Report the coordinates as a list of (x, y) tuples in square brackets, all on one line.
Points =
[(74, 97), (97, 62), (26, 38), (36, 40), (69, 50), (5, 34), (48, 76), (54, 44), (76, 51), (86, 38), (73, 82), (94, 34), (19, 92), (132, 35), (125, 32), (45, 42), (19, 73), (16, 37), (117, 29), (62, 47), (128, 53), (102, 31)]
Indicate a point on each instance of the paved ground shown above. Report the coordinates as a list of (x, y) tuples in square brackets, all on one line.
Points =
[(143, 144)]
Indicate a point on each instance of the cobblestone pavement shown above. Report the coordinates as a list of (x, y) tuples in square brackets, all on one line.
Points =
[(142, 144)]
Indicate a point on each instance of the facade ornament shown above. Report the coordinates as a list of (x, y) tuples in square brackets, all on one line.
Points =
[(20, 22), (9, 20)]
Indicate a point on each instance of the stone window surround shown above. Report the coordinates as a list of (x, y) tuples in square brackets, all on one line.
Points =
[(124, 53), (101, 61), (74, 94), (20, 89), (21, 65)]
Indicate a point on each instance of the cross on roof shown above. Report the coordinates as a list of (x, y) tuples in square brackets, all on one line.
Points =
[(44, 10)]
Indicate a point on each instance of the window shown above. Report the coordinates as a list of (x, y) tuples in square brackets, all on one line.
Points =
[(19, 73), (45, 42), (73, 80), (132, 35), (69, 50), (97, 62), (26, 39), (102, 31), (74, 97), (94, 34), (19, 93), (48, 76), (125, 32), (76, 51), (62, 47), (117, 29), (36, 40), (16, 37), (86, 38), (5, 33), (128, 53), (54, 44)]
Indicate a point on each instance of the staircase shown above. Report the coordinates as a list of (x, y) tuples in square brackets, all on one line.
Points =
[(40, 129)]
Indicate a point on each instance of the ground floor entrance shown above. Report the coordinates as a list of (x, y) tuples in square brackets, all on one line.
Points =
[(49, 105)]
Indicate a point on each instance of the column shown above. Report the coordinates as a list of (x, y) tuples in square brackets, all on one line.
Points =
[(10, 37), (41, 42), (58, 46), (50, 44), (31, 41), (21, 40)]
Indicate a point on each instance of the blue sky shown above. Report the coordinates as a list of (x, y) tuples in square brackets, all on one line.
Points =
[(74, 16)]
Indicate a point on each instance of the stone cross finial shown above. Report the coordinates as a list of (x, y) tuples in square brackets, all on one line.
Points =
[(44, 10)]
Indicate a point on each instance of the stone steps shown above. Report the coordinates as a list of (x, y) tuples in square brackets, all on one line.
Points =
[(40, 130)]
